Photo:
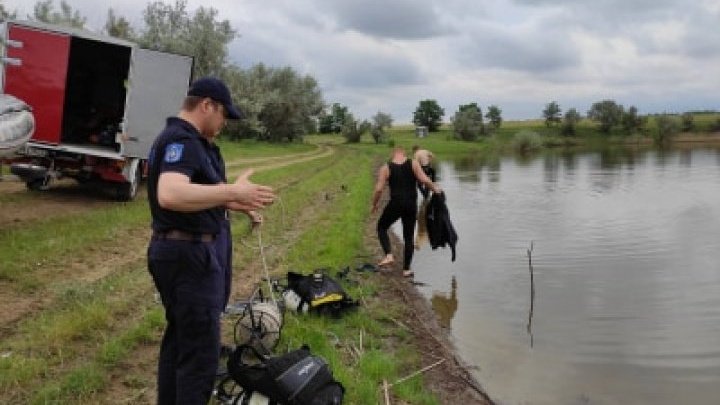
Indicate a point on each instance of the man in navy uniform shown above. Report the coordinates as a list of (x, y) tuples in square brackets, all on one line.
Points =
[(189, 256)]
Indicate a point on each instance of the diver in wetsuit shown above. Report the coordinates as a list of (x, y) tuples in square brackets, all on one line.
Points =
[(401, 174), (425, 158)]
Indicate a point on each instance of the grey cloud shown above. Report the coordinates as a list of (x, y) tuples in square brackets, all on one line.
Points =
[(371, 71), (536, 51), (250, 50), (398, 19), (619, 6), (330, 62), (610, 16), (702, 39)]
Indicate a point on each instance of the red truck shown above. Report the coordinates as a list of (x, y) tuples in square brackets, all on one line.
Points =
[(98, 103)]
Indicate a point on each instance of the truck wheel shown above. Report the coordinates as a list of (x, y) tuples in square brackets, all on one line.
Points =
[(128, 191), (38, 185)]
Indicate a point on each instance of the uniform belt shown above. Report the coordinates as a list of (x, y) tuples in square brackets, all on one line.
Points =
[(175, 234)]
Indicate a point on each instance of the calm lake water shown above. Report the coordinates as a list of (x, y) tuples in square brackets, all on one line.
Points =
[(626, 264)]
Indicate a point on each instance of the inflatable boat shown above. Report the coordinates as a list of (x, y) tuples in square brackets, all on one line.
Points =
[(17, 124)]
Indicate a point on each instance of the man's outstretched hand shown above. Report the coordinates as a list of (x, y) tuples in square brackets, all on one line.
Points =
[(249, 196)]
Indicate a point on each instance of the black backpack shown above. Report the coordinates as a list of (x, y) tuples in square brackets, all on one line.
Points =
[(294, 378), (320, 293)]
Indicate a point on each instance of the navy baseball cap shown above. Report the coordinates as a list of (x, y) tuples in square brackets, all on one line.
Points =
[(217, 90)]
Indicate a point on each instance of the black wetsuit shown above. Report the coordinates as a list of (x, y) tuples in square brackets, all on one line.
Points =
[(403, 205)]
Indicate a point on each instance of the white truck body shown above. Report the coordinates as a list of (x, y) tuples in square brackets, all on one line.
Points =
[(98, 102)]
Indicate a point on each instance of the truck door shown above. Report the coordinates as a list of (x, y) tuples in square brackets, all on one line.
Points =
[(157, 86), (37, 76)]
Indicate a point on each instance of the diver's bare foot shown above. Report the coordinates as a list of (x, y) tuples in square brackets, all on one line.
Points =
[(387, 260), (408, 273)]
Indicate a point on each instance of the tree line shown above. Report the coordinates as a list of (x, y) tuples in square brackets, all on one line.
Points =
[(611, 116), (468, 122)]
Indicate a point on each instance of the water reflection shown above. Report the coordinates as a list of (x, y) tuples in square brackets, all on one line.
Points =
[(686, 158), (551, 165), (422, 234), (624, 266), (445, 305), (569, 159), (472, 166), (614, 157)]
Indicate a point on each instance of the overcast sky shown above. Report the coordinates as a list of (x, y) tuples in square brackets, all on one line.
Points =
[(387, 55)]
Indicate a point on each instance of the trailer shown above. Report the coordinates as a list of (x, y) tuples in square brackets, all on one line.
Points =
[(98, 103)]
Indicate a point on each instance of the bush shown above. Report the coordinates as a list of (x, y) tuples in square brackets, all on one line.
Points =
[(525, 141), (667, 127), (353, 131), (688, 122), (715, 126), (467, 124)]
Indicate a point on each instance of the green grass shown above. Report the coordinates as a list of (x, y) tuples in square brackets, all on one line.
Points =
[(56, 347), (705, 121), (90, 378), (254, 149), (65, 352), (334, 241), (48, 241)]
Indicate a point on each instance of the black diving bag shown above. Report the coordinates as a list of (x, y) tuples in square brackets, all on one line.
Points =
[(319, 293), (294, 378)]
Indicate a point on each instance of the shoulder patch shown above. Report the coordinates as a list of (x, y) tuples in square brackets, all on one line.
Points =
[(173, 152)]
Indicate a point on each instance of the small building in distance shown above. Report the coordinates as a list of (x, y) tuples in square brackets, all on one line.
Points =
[(421, 131)]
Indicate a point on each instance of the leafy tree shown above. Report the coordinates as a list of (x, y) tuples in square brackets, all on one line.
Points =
[(552, 114), (169, 28), (44, 11), (468, 122), (341, 116), (607, 112), (280, 104), (325, 122), (429, 114), (334, 120), (494, 116), (165, 26), (631, 122), (353, 130), (311, 126), (380, 121), (470, 107), (207, 41), (688, 122), (118, 26), (570, 121)]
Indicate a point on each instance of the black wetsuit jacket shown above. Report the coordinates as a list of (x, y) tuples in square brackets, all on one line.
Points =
[(440, 229)]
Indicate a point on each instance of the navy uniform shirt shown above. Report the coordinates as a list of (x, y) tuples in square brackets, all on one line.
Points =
[(180, 148)]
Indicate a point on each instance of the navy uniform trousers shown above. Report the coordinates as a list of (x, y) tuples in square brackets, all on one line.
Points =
[(193, 279)]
